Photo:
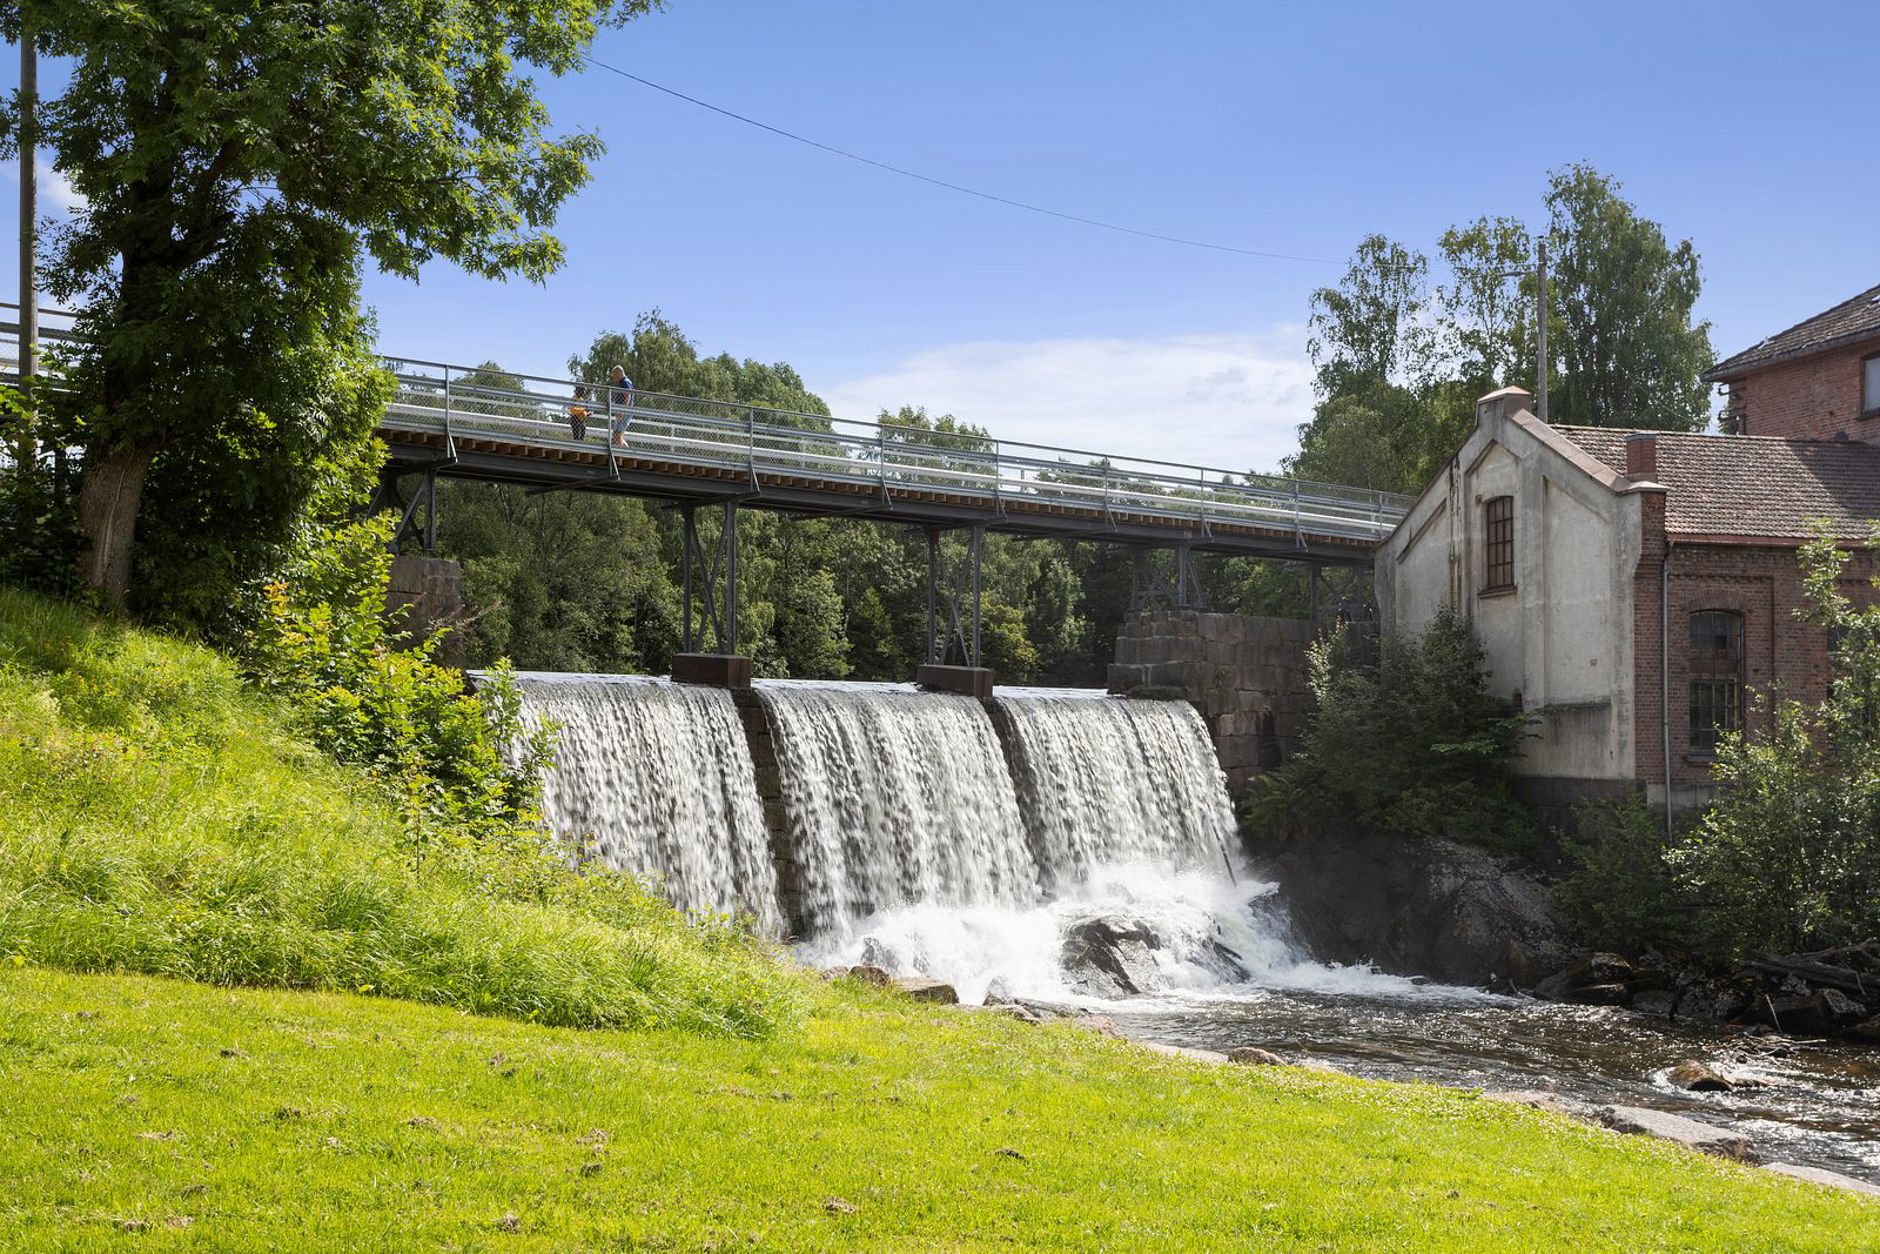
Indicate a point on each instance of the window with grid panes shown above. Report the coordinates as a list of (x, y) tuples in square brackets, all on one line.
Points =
[(1498, 532), (1716, 677)]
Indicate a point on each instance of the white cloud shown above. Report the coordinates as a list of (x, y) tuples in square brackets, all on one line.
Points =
[(57, 196), (1229, 400)]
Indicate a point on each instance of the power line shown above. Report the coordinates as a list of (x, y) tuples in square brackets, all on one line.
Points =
[(952, 187)]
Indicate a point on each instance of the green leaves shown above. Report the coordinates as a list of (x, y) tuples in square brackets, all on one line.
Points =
[(1788, 857), (1411, 743), (235, 160), (1400, 368)]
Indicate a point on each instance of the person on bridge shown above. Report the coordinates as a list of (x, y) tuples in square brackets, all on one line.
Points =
[(578, 414), (620, 403)]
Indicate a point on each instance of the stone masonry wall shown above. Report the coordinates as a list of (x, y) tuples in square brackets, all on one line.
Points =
[(430, 590), (1246, 675), (770, 792)]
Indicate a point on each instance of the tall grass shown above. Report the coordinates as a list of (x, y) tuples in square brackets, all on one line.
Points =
[(158, 816)]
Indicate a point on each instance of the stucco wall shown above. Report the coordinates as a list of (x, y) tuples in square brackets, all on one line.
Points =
[(1563, 638)]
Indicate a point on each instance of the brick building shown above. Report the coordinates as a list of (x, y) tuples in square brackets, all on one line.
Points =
[(1642, 586)]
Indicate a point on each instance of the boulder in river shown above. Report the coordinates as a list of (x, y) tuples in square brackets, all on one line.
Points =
[(1254, 1056), (1111, 957), (1812, 1015), (1699, 1077), (1453, 912), (1704, 1137)]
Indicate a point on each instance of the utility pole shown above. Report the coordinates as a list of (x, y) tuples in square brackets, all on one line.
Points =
[(1540, 339), (29, 210)]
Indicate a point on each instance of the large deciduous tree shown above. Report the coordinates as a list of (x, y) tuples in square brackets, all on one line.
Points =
[(233, 158), (1630, 353), (1399, 368)]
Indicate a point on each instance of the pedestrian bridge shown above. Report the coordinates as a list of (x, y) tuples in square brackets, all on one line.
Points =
[(547, 434), (461, 423)]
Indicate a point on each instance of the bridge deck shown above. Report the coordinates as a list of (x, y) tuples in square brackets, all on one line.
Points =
[(687, 450)]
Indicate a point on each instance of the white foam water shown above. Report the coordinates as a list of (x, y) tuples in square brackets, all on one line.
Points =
[(1216, 938), (895, 797), (1104, 780), (656, 778)]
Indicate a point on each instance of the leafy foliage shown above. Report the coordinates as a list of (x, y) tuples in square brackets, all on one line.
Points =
[(455, 760), (1400, 364), (1621, 894), (233, 163), (1788, 857), (1412, 744)]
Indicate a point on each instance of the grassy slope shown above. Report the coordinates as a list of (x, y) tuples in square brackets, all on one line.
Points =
[(155, 818)]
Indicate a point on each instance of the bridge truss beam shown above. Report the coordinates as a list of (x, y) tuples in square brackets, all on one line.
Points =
[(954, 600), (710, 581)]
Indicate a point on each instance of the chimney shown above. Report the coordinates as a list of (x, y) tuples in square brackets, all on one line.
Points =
[(1641, 456), (1505, 403)]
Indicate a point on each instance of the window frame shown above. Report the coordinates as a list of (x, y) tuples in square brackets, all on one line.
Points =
[(1716, 681), (1870, 404), (1498, 552)]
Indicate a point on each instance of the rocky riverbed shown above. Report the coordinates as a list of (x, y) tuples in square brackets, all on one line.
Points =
[(1810, 1102)]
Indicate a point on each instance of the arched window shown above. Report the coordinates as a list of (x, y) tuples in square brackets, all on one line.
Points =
[(1716, 677), (1498, 536)]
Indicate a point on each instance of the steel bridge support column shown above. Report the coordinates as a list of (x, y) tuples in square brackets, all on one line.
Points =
[(960, 587), (711, 603), (1180, 589), (417, 517), (955, 589)]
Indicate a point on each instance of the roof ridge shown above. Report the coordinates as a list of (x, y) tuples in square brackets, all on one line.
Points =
[(1716, 435), (1752, 356)]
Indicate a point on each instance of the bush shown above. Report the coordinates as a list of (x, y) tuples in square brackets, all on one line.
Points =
[(376, 698), (1621, 894), (157, 816), (1412, 744), (1788, 858)]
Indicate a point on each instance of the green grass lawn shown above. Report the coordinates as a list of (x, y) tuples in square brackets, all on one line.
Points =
[(198, 1117)]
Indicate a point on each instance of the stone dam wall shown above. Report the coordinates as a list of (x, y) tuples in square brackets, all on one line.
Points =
[(1246, 675)]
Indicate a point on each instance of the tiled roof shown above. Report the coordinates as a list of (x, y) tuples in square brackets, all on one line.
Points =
[(1850, 320), (1742, 485)]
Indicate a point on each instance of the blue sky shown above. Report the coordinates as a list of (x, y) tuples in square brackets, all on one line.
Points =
[(1295, 129)]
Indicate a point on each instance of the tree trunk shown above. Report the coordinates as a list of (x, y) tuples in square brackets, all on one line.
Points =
[(108, 499)]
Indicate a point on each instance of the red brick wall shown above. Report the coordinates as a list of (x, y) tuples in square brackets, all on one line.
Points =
[(1815, 398), (1762, 584)]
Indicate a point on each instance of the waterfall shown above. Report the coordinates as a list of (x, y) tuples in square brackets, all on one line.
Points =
[(892, 797), (657, 778), (1102, 780)]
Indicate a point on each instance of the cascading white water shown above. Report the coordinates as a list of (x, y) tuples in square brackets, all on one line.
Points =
[(1102, 780), (1128, 832), (658, 776), (893, 797), (1214, 936)]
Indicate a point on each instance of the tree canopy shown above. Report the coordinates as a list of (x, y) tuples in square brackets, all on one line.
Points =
[(1401, 359), (235, 161)]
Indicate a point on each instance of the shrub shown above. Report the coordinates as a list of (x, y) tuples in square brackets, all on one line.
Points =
[(376, 698), (1789, 855), (1621, 894), (1411, 744)]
